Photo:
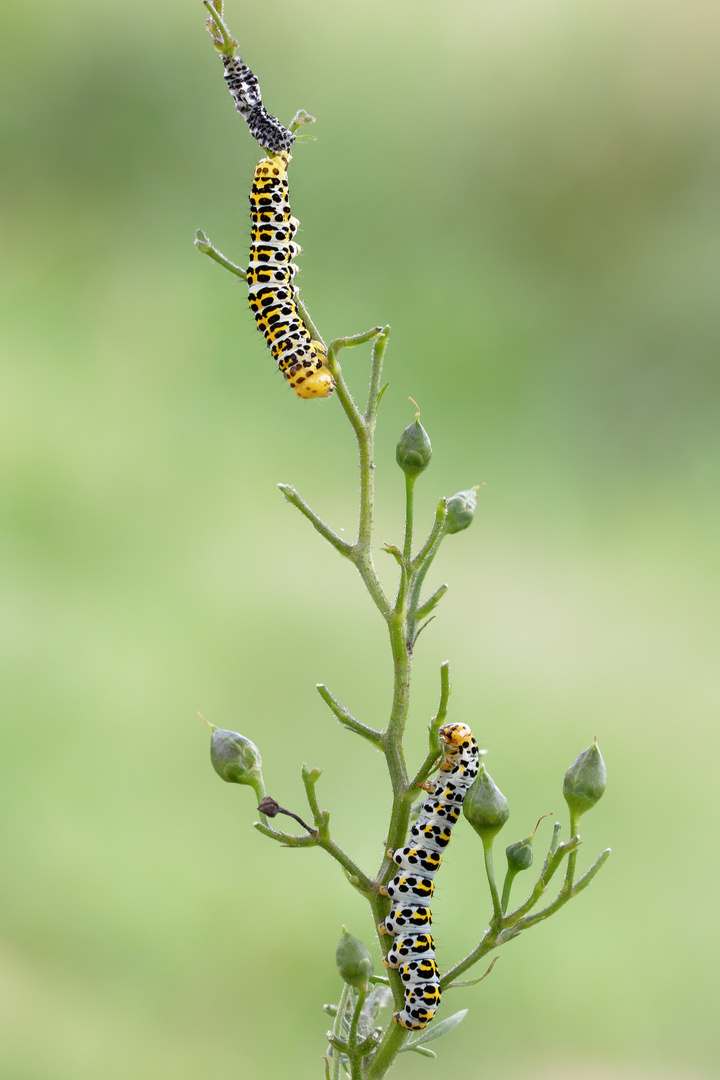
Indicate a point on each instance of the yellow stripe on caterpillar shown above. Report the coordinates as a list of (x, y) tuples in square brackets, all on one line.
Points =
[(271, 293)]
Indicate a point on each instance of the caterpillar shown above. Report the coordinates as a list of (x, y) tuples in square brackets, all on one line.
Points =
[(245, 91), (272, 294), (410, 919)]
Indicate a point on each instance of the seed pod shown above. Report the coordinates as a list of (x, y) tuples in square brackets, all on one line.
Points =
[(414, 450), (520, 855), (461, 510), (235, 758), (585, 780), (354, 961), (485, 807)]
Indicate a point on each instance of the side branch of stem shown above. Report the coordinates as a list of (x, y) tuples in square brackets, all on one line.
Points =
[(340, 545), (347, 719)]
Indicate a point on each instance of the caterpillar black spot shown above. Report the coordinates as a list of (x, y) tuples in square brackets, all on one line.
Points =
[(410, 920), (245, 91), (272, 294)]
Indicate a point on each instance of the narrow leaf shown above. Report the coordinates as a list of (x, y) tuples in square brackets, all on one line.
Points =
[(442, 1028)]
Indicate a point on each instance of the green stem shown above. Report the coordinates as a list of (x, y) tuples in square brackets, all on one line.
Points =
[(431, 603), (409, 501), (348, 720), (490, 871), (572, 859), (387, 1051), (203, 244), (487, 943), (226, 44), (286, 839), (590, 874), (509, 926), (325, 841), (445, 691), (338, 1029), (355, 1058), (400, 705), (434, 727), (364, 428), (421, 564), (340, 545), (563, 896), (552, 862), (376, 365), (305, 316), (429, 549), (507, 886)]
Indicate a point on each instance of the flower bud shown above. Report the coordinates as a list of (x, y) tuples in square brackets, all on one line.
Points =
[(413, 451), (235, 758), (354, 961), (485, 807), (520, 855), (461, 510), (585, 780)]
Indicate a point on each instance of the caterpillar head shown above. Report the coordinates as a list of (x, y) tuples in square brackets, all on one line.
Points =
[(312, 384), (316, 384), (455, 735)]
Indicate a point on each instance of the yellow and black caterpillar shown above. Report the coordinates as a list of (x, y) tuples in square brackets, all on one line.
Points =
[(413, 951), (272, 294)]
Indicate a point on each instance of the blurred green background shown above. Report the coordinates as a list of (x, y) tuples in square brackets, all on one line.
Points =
[(528, 193)]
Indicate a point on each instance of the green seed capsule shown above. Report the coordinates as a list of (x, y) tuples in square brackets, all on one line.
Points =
[(235, 758), (520, 855), (461, 510), (585, 780), (354, 961), (485, 806), (414, 450)]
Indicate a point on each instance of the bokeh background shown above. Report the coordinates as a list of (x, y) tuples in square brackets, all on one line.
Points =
[(528, 193)]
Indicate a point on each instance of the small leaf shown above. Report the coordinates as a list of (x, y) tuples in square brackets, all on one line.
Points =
[(421, 1050), (396, 553), (432, 603), (474, 982), (442, 1028)]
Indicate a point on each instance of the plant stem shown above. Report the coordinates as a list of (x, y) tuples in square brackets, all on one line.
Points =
[(572, 859), (203, 244), (409, 500), (338, 1029), (387, 1051), (490, 871), (364, 428), (355, 1058), (550, 866), (347, 720), (340, 545), (507, 886), (226, 46)]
